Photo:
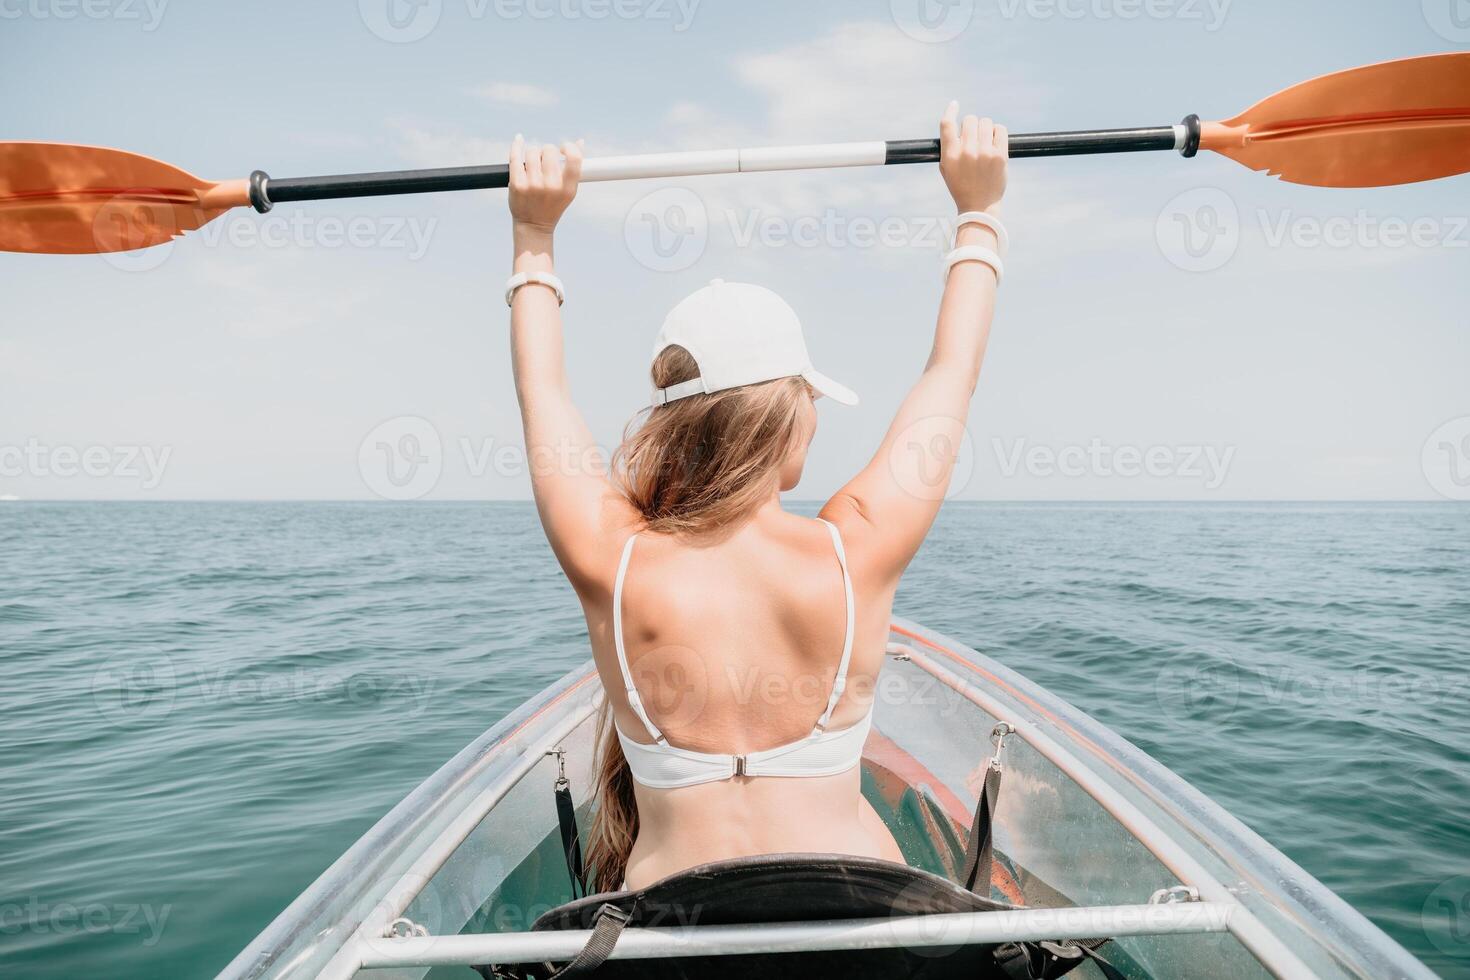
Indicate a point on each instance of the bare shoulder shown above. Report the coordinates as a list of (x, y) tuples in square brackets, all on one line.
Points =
[(874, 557), (590, 560)]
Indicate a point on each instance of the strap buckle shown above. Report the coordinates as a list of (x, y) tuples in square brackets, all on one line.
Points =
[(607, 910), (998, 735), (683, 389), (561, 765)]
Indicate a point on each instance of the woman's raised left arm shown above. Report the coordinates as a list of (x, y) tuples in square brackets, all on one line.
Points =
[(578, 505)]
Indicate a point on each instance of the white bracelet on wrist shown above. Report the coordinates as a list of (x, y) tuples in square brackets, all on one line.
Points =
[(542, 278), (985, 220), (975, 253)]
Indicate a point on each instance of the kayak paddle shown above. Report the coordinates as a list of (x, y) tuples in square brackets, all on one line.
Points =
[(1391, 123)]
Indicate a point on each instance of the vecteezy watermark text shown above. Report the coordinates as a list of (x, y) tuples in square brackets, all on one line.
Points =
[(936, 21), (1207, 465), (1210, 682), (35, 915), (146, 464), (404, 457), (144, 686), (1210, 14), (668, 230), (122, 232), (1200, 230), (406, 21), (148, 12)]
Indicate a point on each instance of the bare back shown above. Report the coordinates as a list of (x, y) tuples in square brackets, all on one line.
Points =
[(734, 646)]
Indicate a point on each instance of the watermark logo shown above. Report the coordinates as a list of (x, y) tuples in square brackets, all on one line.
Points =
[(142, 687), (401, 459), (932, 458), (1446, 459), (1196, 685), (667, 230), (932, 21), (407, 906), (1450, 19), (400, 21), (1446, 917), (133, 235), (1210, 684), (1199, 230), (674, 682), (134, 688)]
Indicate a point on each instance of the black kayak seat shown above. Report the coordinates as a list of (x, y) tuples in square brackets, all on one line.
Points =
[(799, 888)]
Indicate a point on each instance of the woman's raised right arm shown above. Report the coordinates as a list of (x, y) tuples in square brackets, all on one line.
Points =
[(891, 504)]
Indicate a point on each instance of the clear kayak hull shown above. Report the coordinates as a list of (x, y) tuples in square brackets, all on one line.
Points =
[(1087, 825)]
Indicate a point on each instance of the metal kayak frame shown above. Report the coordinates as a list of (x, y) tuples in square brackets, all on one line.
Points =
[(912, 932)]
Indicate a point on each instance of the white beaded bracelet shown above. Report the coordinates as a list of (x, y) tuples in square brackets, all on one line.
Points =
[(975, 253), (544, 278), (986, 220)]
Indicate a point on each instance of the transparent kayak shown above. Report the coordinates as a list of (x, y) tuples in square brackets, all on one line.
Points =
[(1091, 835)]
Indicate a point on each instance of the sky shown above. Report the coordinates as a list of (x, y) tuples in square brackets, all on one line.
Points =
[(1167, 329)]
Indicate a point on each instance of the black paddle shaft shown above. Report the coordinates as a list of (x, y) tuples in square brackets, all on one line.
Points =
[(266, 191)]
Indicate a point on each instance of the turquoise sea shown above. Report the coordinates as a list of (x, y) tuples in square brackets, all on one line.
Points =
[(204, 704)]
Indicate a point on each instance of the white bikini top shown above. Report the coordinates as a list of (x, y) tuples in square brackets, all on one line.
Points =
[(822, 753)]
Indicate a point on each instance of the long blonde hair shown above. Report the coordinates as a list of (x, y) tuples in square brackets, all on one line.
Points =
[(695, 466)]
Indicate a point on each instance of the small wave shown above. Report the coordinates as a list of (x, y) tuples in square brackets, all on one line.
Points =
[(20, 612)]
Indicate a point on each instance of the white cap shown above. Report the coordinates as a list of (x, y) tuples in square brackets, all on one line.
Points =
[(739, 334)]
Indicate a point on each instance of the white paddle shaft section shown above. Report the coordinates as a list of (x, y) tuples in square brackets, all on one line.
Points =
[(915, 931), (815, 157)]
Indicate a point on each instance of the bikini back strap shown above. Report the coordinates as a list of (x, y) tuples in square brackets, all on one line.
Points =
[(840, 683), (634, 701)]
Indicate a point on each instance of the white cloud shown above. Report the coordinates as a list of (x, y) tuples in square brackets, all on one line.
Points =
[(869, 81), (421, 146), (517, 94)]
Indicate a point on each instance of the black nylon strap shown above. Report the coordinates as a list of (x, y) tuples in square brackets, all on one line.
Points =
[(1048, 959), (571, 840), (1109, 971), (607, 926), (979, 852)]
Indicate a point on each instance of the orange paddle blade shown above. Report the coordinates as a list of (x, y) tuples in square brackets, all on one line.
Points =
[(55, 197), (1392, 123)]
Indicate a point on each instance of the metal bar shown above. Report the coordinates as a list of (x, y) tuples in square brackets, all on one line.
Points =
[(914, 932), (1267, 947)]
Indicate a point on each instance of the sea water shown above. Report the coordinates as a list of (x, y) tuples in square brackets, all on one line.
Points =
[(203, 705)]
